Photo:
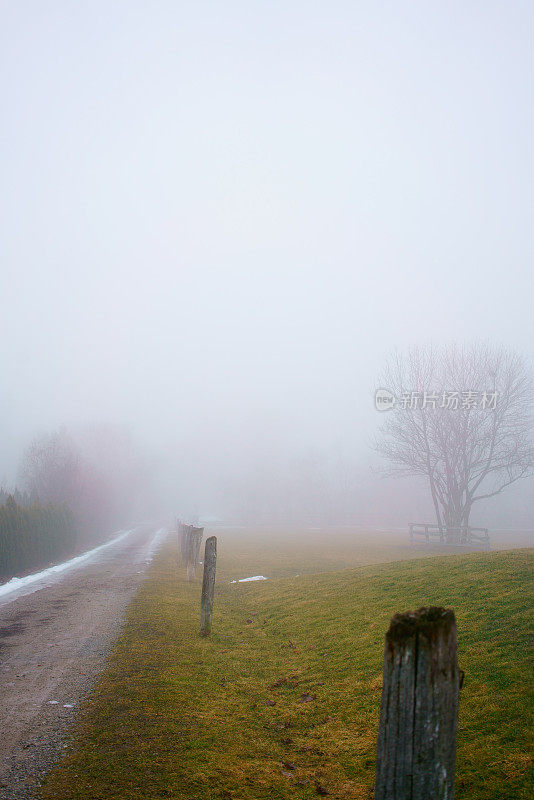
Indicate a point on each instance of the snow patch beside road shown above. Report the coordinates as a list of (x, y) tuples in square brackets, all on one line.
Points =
[(153, 546)]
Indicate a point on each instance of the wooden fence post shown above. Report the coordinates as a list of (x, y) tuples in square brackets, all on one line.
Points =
[(194, 550), (190, 541), (182, 532), (416, 749), (208, 586)]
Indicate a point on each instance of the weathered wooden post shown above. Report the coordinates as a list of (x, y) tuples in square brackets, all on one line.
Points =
[(189, 562), (182, 531), (194, 550), (190, 541), (416, 749), (208, 586)]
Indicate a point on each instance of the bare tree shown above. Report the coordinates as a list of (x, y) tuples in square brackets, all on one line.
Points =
[(99, 474), (462, 419), (51, 469)]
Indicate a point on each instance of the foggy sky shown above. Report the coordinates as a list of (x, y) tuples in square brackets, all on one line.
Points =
[(219, 218)]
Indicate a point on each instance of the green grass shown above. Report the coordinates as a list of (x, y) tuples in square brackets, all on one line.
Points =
[(177, 716)]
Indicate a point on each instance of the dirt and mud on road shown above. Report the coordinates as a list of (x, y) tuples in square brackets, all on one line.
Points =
[(53, 643)]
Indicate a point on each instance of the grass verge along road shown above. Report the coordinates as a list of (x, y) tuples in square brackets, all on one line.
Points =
[(282, 700)]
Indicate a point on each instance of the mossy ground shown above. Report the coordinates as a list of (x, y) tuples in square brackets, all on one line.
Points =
[(282, 700)]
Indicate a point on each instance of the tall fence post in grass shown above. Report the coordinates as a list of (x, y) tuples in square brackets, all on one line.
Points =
[(416, 749), (208, 586)]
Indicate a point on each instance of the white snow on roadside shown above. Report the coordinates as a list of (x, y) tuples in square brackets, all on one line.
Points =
[(41, 577), (153, 546), (254, 578)]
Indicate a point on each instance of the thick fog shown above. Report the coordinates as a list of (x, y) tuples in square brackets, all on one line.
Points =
[(218, 219)]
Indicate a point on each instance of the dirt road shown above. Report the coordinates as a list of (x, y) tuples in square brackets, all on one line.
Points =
[(54, 638)]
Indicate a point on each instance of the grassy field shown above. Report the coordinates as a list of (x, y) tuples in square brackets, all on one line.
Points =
[(282, 701)]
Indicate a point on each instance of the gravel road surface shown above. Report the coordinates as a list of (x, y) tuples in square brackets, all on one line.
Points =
[(55, 635)]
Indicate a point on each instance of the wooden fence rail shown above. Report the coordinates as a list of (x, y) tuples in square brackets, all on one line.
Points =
[(446, 535)]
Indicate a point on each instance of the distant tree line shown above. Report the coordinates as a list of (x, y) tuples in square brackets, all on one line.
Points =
[(97, 472), (23, 499), (33, 535), (75, 491)]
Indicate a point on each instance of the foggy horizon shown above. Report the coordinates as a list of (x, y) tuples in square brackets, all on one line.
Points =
[(218, 222)]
